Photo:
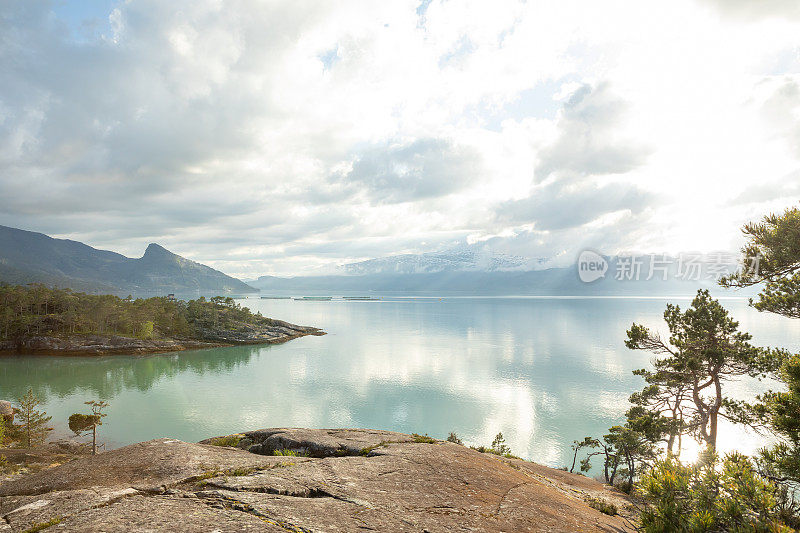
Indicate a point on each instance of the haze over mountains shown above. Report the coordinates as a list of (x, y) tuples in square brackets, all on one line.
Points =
[(30, 257), (442, 273), (464, 259)]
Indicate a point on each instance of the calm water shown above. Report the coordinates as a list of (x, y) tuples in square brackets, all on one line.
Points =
[(542, 371)]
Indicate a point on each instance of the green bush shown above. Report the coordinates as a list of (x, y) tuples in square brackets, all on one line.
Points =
[(229, 441), (603, 506), (712, 495), (289, 453)]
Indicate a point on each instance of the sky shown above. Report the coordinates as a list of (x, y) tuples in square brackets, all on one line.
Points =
[(290, 137)]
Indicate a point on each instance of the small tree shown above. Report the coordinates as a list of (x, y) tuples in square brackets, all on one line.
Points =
[(624, 450), (33, 423), (454, 438), (577, 445), (82, 424), (499, 445)]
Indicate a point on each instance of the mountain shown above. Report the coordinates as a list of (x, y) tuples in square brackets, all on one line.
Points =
[(456, 260), (546, 282), (30, 257)]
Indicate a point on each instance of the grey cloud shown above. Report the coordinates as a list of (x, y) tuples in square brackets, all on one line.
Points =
[(424, 168), (585, 144), (583, 149), (554, 207), (101, 138), (562, 246)]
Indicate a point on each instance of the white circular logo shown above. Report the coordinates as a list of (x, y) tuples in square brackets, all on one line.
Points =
[(591, 266)]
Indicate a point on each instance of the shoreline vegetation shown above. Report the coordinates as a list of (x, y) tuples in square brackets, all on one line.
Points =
[(38, 320)]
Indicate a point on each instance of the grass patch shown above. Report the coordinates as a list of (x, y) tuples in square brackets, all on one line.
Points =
[(35, 528), (206, 475), (238, 472), (384, 443), (342, 452), (232, 472), (369, 449), (230, 441), (486, 449), (289, 453), (602, 506)]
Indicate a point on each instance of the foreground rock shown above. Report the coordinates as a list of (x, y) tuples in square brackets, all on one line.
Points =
[(275, 333), (343, 480)]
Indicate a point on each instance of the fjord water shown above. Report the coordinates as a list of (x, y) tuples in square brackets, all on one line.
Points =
[(544, 371)]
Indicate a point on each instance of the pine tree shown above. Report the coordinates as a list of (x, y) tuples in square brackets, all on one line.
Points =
[(775, 244), (704, 351), (34, 423)]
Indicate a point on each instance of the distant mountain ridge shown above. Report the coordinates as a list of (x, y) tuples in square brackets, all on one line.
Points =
[(560, 281), (455, 260), (30, 257)]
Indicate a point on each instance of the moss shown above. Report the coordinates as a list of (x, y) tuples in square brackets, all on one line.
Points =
[(237, 472), (424, 439), (206, 475), (43, 525), (230, 441), (602, 505)]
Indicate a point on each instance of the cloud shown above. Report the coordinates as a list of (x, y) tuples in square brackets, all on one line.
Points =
[(785, 188), (284, 137), (586, 143), (782, 108), (583, 149), (554, 207), (421, 169)]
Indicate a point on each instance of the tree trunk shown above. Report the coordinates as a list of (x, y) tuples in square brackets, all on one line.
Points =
[(94, 440)]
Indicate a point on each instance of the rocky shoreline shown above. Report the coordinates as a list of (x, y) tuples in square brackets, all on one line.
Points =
[(276, 333), (306, 480)]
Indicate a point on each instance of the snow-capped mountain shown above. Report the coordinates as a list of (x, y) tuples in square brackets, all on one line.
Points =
[(457, 260)]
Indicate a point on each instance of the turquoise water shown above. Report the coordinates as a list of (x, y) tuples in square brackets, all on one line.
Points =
[(543, 371)]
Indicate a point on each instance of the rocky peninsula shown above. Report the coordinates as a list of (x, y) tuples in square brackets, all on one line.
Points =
[(48, 321), (306, 480), (276, 333)]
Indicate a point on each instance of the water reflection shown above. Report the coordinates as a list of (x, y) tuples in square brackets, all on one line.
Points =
[(544, 372)]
